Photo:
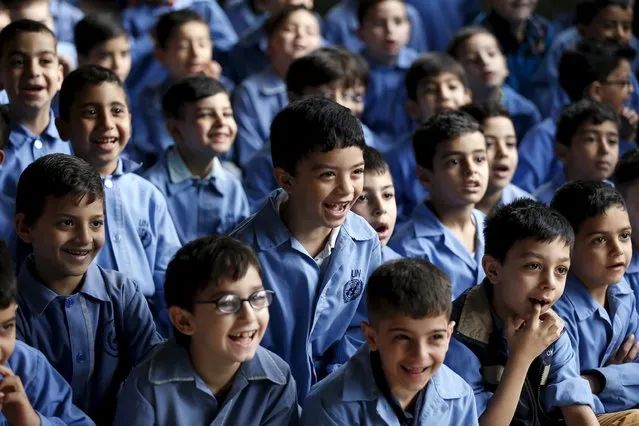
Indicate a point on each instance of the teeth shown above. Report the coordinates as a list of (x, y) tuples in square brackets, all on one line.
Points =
[(245, 335)]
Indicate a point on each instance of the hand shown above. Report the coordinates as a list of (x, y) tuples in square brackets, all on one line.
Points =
[(595, 382), (213, 69), (628, 127), (530, 337), (14, 403), (627, 352)]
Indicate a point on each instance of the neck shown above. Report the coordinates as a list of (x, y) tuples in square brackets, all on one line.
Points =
[(216, 374), (489, 201), (599, 294), (405, 398), (199, 166), (36, 121), (453, 217), (312, 237), (383, 59), (107, 169), (487, 94), (59, 284), (280, 68)]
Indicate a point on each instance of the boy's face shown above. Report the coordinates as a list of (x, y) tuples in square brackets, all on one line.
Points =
[(99, 126), (411, 350), (188, 50), (298, 36), (617, 88), (36, 11), (514, 11), (603, 248), (631, 196), (30, 71), (610, 23), (385, 30), (484, 63), (501, 146), (7, 332), (351, 98), (377, 204), (114, 54), (533, 273), (275, 5), (442, 93)]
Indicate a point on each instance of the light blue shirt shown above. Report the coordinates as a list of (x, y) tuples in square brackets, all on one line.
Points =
[(632, 273), (546, 191), (510, 193), (249, 55), (166, 390), (389, 254), (243, 17), (426, 237), (441, 19), (315, 324), (65, 17), (350, 396), (596, 333), (523, 112), (92, 337)]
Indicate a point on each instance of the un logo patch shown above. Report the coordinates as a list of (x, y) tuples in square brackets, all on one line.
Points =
[(354, 287), (144, 233)]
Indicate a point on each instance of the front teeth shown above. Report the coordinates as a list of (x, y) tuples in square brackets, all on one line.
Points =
[(246, 335), (339, 206), (78, 252), (106, 140)]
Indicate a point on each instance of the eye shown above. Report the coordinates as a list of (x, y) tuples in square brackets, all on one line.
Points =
[(328, 174), (8, 327), (401, 337), (89, 112), (65, 223), (480, 159), (562, 270), (16, 62), (362, 198), (438, 336), (388, 195), (625, 236), (453, 162), (613, 141), (98, 223), (599, 240), (533, 266), (117, 110), (359, 171)]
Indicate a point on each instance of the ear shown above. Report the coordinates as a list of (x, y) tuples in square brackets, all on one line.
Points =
[(593, 91), (1, 156), (468, 96), (63, 129), (562, 151), (284, 179), (22, 228), (492, 268), (370, 335), (173, 129), (182, 320), (424, 176), (412, 108)]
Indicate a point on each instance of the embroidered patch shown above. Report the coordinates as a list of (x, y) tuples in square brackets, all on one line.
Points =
[(354, 287), (144, 233), (110, 340)]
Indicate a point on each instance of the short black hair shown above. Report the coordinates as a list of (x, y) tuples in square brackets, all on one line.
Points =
[(428, 66), (8, 282), (188, 90), (312, 124), (576, 114), (520, 220), (374, 161), (463, 35), (482, 111), (582, 199), (276, 20), (590, 61), (202, 263), (627, 170), (438, 129), (169, 22), (56, 175), (78, 79), (365, 6), (587, 10), (412, 287), (15, 4), (23, 26), (96, 29)]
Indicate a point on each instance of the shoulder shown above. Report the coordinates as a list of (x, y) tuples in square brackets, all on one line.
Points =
[(26, 361), (158, 173), (450, 385), (358, 228)]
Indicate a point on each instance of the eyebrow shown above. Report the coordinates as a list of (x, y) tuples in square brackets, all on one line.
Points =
[(451, 153), (330, 166), (41, 52), (114, 103), (597, 231), (539, 256), (10, 320), (405, 330)]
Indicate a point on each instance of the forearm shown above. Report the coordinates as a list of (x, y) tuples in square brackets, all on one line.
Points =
[(501, 407), (579, 415)]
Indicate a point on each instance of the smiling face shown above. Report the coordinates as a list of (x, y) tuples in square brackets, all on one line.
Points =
[(501, 145), (377, 204), (385, 30), (188, 50), (613, 22)]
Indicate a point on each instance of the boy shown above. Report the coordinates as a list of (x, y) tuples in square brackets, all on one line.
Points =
[(203, 198), (63, 16), (598, 306), (315, 253), (398, 377), (95, 118), (214, 368), (445, 228), (377, 202), (587, 143), (501, 145), (505, 323), (30, 90), (92, 324), (32, 392), (478, 51)]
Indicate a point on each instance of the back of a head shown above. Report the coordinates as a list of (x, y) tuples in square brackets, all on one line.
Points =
[(411, 287), (428, 66), (320, 67), (520, 220), (482, 111), (278, 18), (96, 29), (189, 90), (580, 200), (56, 175), (8, 282), (576, 114), (587, 10), (374, 161), (312, 124), (627, 171), (22, 26), (169, 22)]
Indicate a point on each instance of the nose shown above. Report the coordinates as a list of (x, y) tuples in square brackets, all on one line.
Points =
[(378, 206), (616, 248), (106, 121), (246, 312), (84, 235), (549, 280), (620, 33), (34, 67), (345, 185)]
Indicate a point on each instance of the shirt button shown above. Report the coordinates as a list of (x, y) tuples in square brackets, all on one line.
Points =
[(69, 302), (37, 144), (108, 183), (79, 358)]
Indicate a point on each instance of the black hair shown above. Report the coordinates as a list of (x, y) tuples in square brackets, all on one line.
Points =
[(374, 161), (365, 6), (312, 124), (438, 129), (96, 29), (188, 90), (482, 111), (627, 170), (465, 34), (78, 79), (281, 16), (412, 287), (590, 61), (582, 199), (169, 22), (22, 26), (56, 175), (15, 4), (587, 10), (202, 263), (576, 114), (520, 220), (8, 282), (357, 66), (428, 66)]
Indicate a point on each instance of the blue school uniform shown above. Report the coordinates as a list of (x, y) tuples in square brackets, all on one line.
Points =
[(48, 393), (7, 211), (632, 273), (426, 237), (441, 19), (546, 191), (65, 17), (23, 148), (212, 205), (243, 17), (389, 254), (510, 193), (166, 390), (92, 337), (249, 55), (523, 112), (596, 333), (351, 396), (323, 330)]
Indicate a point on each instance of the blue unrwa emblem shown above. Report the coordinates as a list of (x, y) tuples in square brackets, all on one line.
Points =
[(354, 287)]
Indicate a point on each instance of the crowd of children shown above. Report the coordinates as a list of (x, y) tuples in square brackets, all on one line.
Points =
[(405, 212)]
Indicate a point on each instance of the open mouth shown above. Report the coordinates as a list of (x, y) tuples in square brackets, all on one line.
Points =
[(414, 371), (337, 208), (542, 303), (244, 338), (105, 140), (77, 252), (472, 185), (32, 89), (618, 265), (382, 229)]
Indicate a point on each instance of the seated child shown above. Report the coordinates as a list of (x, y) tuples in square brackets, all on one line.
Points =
[(203, 198), (31, 392), (598, 306), (92, 324), (501, 145), (315, 253), (587, 143), (377, 202), (445, 228), (292, 33), (32, 132), (213, 369), (508, 344), (398, 377), (478, 51), (64, 15), (141, 237)]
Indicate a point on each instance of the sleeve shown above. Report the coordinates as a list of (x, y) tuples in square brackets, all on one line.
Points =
[(142, 338), (257, 177), (249, 139), (417, 40), (467, 411), (285, 409), (315, 413), (134, 406), (536, 154), (222, 32)]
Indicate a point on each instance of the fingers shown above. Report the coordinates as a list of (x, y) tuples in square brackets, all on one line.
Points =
[(11, 384), (632, 355), (534, 320), (6, 371)]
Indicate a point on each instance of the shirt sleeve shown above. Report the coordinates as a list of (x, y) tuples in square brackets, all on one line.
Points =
[(316, 413), (134, 406), (143, 337)]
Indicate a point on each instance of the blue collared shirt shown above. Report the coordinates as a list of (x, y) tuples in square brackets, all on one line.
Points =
[(389, 254), (243, 17), (315, 323), (92, 337), (7, 214), (166, 390), (632, 273), (426, 237), (350, 396), (596, 333), (512, 192), (213, 205), (249, 55), (523, 112), (546, 191), (65, 17), (441, 19)]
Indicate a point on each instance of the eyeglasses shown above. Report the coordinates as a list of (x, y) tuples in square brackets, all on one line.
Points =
[(232, 303), (623, 83)]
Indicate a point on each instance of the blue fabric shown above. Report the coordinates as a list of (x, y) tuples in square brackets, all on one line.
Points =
[(7, 213), (315, 320), (166, 390), (389, 254), (441, 19), (350, 396), (596, 333), (510, 193), (537, 160), (242, 16), (632, 273), (92, 337), (249, 55), (546, 191), (523, 112), (65, 17)]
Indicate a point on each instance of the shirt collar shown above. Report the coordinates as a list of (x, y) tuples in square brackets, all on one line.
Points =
[(19, 134), (581, 299), (179, 172), (427, 224), (124, 166), (270, 83)]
